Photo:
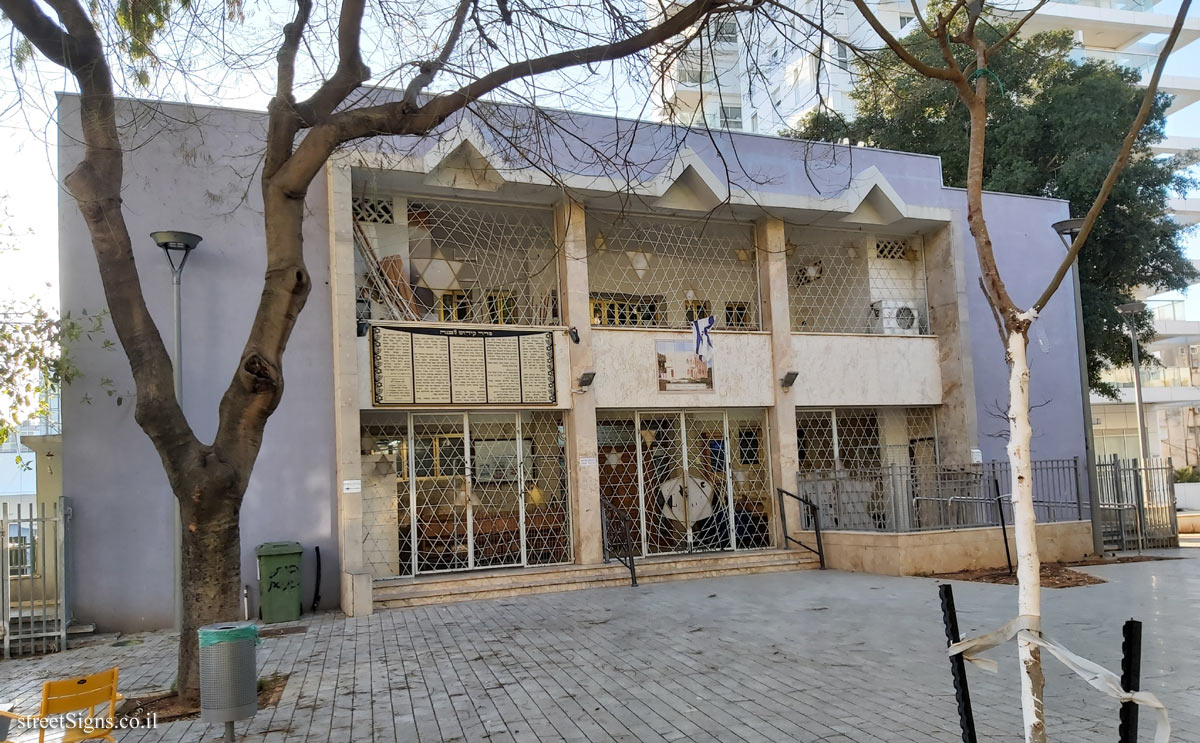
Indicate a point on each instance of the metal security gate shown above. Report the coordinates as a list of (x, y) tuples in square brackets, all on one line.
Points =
[(33, 598), (692, 481), (477, 490), (1137, 503)]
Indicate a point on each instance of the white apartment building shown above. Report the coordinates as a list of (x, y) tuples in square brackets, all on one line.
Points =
[(1170, 394), (771, 89)]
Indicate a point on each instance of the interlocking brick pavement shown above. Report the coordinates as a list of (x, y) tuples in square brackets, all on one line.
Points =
[(806, 656)]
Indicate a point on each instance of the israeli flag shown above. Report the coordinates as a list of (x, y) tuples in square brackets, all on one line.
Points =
[(704, 344)]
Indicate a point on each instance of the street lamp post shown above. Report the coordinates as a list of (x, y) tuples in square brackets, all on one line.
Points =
[(1128, 312), (1067, 230), (177, 246)]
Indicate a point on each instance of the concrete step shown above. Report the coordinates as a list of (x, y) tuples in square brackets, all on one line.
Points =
[(436, 589)]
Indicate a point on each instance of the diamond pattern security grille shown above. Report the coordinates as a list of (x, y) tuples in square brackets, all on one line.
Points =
[(375, 211), (844, 451), (865, 438), (689, 482), (856, 283), (458, 491), (457, 262), (664, 272)]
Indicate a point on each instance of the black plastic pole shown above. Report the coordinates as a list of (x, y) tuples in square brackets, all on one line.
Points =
[(958, 667), (1131, 678), (1003, 526)]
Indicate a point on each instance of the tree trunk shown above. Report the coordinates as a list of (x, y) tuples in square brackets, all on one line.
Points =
[(211, 573), (1029, 601)]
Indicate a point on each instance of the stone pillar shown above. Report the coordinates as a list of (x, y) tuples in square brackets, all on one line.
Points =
[(355, 580), (570, 235), (771, 242), (957, 422)]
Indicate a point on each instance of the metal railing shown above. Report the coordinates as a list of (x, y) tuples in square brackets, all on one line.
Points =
[(1137, 503), (908, 498), (811, 520), (624, 549), (33, 596)]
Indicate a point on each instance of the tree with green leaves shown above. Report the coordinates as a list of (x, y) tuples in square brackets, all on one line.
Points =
[(1053, 131), (31, 362)]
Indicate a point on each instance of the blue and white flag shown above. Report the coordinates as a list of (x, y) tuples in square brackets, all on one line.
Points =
[(704, 344)]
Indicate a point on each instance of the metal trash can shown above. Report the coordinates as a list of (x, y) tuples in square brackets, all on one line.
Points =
[(228, 676), (279, 581)]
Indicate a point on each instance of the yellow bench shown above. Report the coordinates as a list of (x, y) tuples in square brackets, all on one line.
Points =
[(82, 694)]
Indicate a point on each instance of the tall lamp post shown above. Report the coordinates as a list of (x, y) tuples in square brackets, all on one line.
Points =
[(1128, 312), (1068, 230), (177, 246)]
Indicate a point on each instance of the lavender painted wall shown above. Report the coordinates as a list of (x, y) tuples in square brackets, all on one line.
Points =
[(179, 176), (1027, 252)]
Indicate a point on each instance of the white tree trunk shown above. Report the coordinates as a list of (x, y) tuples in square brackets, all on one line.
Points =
[(1029, 601)]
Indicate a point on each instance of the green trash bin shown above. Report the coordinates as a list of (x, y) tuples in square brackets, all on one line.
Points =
[(279, 581)]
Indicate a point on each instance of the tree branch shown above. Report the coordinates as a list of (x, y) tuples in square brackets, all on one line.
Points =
[(401, 118), (939, 73), (1119, 164), (351, 71), (429, 70), (96, 186), (1012, 32)]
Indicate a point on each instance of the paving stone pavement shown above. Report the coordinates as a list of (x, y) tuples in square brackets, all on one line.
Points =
[(807, 656)]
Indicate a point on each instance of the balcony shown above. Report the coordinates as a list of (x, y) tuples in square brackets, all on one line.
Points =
[(1133, 5)]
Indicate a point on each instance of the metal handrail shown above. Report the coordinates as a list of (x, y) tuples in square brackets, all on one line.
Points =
[(626, 556), (813, 512)]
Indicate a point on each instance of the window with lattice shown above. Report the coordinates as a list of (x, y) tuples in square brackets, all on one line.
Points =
[(841, 282), (696, 309), (373, 210), (865, 439), (624, 311), (689, 266), (456, 261), (454, 306)]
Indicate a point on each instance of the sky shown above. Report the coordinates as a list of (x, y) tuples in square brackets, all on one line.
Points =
[(29, 190)]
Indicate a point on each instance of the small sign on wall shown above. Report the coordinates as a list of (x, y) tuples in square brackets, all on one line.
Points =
[(351, 486)]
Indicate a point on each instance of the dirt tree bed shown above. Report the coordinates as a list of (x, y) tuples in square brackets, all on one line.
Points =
[(1054, 574), (167, 707)]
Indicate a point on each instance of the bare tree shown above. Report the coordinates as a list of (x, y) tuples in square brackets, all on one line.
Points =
[(954, 30)]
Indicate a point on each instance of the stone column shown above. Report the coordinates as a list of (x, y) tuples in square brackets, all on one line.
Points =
[(771, 242), (957, 421), (355, 580), (582, 465)]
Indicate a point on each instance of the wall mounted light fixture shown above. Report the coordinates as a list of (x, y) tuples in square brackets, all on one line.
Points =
[(789, 379)]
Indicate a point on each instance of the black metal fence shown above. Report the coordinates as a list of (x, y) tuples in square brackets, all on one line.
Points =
[(1137, 503), (907, 498)]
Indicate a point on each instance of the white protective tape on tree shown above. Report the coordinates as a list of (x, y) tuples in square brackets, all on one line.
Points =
[(1096, 675)]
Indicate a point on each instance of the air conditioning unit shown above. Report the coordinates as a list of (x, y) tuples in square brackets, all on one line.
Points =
[(895, 317)]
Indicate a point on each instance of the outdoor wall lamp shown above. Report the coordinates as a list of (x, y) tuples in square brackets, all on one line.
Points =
[(586, 379), (789, 379), (574, 334)]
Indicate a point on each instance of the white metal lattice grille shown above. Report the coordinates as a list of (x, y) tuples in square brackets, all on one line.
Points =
[(848, 439), (456, 262), (465, 491), (856, 283), (665, 272), (689, 482), (844, 450)]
